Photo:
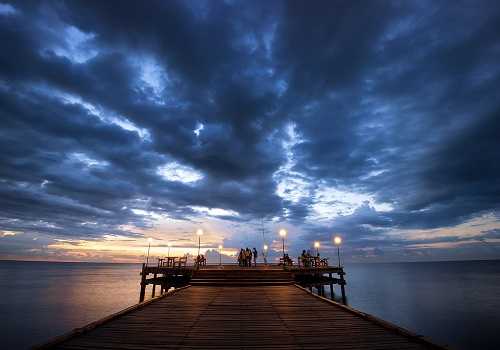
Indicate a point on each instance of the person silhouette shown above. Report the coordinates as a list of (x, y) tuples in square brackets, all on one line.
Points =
[(241, 257), (248, 254)]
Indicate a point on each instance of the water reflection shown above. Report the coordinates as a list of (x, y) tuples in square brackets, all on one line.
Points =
[(53, 298), (453, 303)]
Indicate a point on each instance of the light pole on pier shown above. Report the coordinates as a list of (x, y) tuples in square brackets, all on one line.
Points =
[(169, 244), (149, 247), (220, 254), (338, 241), (316, 245), (199, 233), (283, 235)]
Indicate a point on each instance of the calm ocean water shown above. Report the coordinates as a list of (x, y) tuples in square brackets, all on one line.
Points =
[(453, 303)]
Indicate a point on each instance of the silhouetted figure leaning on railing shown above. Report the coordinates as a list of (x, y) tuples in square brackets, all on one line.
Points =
[(200, 260)]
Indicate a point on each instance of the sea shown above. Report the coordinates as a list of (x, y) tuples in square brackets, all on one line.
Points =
[(455, 303)]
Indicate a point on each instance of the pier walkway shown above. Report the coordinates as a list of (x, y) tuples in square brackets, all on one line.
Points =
[(230, 317)]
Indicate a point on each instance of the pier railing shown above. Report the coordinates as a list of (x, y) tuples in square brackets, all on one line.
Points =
[(314, 278)]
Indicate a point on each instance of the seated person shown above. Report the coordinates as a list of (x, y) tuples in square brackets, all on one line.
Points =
[(200, 260), (287, 261)]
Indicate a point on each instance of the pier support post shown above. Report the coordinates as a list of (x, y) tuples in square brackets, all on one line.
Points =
[(143, 283), (331, 286), (154, 287), (342, 285)]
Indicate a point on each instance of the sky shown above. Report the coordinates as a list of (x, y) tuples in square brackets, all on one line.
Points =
[(378, 121)]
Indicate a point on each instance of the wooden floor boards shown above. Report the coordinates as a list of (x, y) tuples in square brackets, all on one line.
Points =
[(270, 317)]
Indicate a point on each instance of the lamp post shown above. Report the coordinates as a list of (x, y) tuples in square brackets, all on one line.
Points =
[(316, 245), (265, 253), (283, 235), (149, 247), (199, 233), (337, 240), (169, 244), (220, 256)]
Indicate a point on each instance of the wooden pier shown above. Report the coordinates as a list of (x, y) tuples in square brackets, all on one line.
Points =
[(239, 308), (233, 275)]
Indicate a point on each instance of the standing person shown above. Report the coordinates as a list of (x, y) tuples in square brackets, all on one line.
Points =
[(255, 256), (249, 257), (303, 257), (241, 256)]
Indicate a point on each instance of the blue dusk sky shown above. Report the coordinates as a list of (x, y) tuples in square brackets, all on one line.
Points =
[(378, 121)]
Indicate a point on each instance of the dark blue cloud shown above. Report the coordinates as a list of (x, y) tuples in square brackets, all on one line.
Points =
[(394, 101)]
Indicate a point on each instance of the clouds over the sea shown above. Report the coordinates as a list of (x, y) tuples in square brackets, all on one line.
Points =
[(376, 120)]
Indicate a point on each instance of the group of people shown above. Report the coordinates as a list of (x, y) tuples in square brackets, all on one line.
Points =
[(308, 259), (245, 257), (286, 260)]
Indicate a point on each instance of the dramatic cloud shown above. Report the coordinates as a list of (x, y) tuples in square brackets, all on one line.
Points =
[(377, 120)]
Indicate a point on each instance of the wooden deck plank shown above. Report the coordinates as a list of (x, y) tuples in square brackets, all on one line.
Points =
[(217, 317)]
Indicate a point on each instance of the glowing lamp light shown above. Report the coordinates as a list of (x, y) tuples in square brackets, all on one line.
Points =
[(220, 246), (266, 247), (169, 244), (199, 232), (150, 240)]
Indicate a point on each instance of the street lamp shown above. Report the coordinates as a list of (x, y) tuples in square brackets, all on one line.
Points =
[(149, 247), (283, 235), (220, 256), (316, 245), (265, 253), (169, 244), (337, 240), (199, 232)]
